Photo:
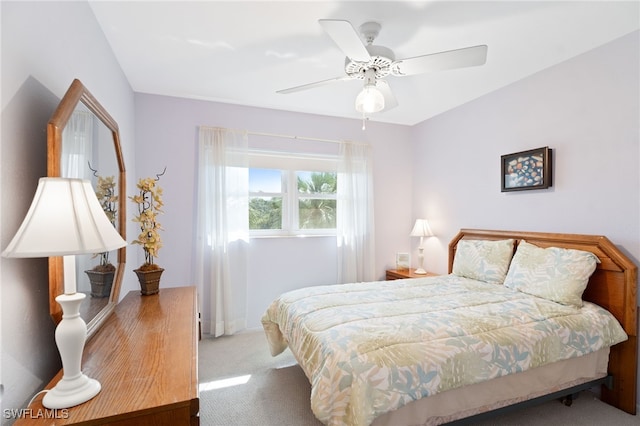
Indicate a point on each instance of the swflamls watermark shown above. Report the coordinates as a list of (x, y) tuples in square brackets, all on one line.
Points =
[(35, 413)]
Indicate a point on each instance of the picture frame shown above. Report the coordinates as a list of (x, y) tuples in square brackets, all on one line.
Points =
[(526, 170), (403, 261)]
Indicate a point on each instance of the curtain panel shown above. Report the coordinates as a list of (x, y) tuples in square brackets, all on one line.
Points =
[(222, 229), (77, 145), (355, 221)]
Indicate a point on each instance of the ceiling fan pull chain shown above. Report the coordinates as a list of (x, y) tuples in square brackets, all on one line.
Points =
[(364, 120)]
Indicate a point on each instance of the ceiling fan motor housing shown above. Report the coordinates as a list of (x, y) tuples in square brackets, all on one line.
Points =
[(381, 60)]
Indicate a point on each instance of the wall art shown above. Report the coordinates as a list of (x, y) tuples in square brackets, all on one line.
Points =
[(526, 170)]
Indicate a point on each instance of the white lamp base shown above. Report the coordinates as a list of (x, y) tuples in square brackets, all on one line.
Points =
[(420, 269), (74, 388), (71, 392)]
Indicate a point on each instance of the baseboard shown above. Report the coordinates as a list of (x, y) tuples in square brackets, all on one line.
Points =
[(246, 330)]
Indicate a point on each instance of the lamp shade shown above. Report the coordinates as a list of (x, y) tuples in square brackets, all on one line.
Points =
[(421, 229), (370, 99), (65, 218)]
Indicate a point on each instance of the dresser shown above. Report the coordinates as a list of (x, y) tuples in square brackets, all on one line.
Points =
[(146, 358)]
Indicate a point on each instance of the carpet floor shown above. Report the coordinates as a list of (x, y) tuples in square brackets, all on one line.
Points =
[(241, 384)]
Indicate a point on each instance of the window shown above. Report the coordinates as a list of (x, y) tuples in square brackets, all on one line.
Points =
[(266, 193), (316, 200), (298, 197)]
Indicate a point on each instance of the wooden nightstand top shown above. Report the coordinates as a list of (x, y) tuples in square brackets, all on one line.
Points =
[(395, 274)]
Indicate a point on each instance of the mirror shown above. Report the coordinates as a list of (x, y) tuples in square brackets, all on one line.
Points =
[(83, 141)]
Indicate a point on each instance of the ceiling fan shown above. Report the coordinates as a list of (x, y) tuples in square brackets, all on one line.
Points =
[(371, 63)]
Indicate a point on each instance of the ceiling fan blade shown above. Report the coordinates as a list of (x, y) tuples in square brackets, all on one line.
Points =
[(459, 58), (312, 85), (347, 39), (389, 99)]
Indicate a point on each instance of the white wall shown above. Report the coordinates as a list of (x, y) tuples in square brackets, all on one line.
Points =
[(166, 134), (586, 109), (45, 45)]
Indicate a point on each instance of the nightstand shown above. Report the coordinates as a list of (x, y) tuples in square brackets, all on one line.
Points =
[(395, 274)]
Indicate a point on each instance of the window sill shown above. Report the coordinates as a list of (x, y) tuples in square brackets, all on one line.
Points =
[(251, 237)]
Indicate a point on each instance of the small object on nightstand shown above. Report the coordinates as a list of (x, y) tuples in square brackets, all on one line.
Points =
[(403, 261), (399, 274)]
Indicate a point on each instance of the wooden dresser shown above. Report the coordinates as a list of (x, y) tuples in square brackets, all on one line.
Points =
[(146, 358)]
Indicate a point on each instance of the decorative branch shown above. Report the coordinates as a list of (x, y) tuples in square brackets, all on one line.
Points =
[(161, 174), (95, 172)]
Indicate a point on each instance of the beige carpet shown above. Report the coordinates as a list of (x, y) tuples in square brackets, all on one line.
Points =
[(276, 392)]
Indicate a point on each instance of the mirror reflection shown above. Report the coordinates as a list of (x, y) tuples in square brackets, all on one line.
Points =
[(87, 153)]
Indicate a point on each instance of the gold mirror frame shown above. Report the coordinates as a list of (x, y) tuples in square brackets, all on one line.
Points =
[(76, 94)]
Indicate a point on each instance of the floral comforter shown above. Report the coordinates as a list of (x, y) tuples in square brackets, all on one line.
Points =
[(369, 348)]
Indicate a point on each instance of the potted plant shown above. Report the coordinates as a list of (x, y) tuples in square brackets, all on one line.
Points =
[(101, 275), (149, 203)]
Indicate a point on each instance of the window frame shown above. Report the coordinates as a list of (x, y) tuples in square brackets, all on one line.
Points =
[(290, 164)]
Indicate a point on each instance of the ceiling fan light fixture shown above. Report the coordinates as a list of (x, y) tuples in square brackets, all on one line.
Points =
[(369, 100)]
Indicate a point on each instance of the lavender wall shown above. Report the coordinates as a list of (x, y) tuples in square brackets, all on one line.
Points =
[(166, 134), (45, 45), (585, 109)]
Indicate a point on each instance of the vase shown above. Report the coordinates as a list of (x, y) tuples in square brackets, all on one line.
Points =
[(101, 282), (149, 281)]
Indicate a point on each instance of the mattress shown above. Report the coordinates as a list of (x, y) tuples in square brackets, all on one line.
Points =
[(371, 348), (494, 394)]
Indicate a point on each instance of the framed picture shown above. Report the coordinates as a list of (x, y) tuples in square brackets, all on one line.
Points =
[(403, 261), (526, 170)]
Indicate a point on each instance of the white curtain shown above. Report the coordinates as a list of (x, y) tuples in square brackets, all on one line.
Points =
[(77, 144), (222, 229), (76, 152), (355, 225)]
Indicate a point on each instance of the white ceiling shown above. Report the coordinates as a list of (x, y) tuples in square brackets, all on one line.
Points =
[(241, 52)]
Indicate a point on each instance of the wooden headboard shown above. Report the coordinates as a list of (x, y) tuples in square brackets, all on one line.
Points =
[(613, 286)]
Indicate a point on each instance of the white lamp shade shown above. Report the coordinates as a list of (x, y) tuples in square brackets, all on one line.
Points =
[(65, 218), (421, 229), (370, 100)]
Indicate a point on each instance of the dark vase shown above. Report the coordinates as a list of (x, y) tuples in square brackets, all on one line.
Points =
[(149, 280), (101, 282)]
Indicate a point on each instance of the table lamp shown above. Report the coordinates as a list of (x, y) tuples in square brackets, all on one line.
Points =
[(421, 229), (66, 219)]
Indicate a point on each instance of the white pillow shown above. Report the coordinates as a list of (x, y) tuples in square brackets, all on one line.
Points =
[(483, 260), (552, 273)]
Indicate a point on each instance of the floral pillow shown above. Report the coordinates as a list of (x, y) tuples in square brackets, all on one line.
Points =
[(483, 260), (552, 273)]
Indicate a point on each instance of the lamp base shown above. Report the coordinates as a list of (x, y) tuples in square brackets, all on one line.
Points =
[(70, 392), (71, 333), (420, 271)]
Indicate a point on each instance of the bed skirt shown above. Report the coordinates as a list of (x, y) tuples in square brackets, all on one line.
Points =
[(497, 393)]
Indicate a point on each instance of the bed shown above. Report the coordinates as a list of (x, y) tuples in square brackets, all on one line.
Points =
[(435, 350)]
